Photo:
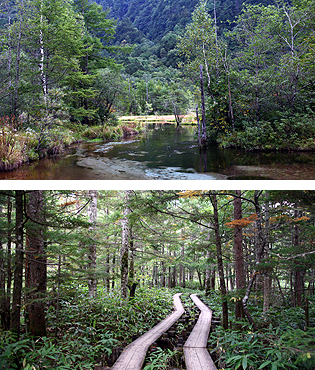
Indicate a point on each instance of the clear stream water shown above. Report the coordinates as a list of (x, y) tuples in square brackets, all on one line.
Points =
[(165, 152)]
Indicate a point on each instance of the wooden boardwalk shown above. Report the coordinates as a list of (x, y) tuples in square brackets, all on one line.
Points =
[(133, 356), (195, 348)]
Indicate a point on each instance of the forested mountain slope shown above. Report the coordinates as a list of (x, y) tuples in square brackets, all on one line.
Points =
[(155, 18)]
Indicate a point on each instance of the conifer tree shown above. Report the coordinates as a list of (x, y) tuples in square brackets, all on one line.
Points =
[(35, 264)]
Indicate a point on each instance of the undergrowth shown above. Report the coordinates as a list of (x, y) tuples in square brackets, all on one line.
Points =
[(294, 131), (283, 341), (84, 330)]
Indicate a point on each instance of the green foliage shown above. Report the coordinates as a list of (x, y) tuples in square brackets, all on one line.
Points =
[(159, 359), (279, 344), (11, 146), (83, 330), (108, 313), (102, 132), (293, 131), (80, 352), (248, 350)]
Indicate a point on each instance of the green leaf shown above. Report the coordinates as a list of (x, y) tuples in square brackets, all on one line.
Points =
[(244, 362), (234, 358), (266, 363)]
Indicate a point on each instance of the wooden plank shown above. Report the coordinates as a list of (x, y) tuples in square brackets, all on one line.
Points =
[(133, 356), (200, 333), (195, 348), (198, 358)]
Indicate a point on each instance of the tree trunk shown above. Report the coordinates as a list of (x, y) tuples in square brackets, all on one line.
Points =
[(108, 272), (132, 284), (199, 131), (260, 247), (239, 256), (5, 273), (124, 251), (267, 278), (131, 276), (169, 279), (225, 316), (17, 66), (182, 280), (18, 263), (2, 287), (9, 268), (192, 270), (58, 291), (92, 213), (200, 279), (208, 274), (174, 273), (203, 111), (208, 270), (212, 281), (155, 275), (35, 265), (163, 269), (113, 271), (299, 270)]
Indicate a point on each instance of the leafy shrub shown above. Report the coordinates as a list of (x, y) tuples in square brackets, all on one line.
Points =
[(85, 330), (292, 131), (102, 132), (11, 143), (83, 316), (159, 360), (44, 353), (270, 348)]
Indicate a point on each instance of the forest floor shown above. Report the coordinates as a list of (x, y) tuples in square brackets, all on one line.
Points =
[(85, 333)]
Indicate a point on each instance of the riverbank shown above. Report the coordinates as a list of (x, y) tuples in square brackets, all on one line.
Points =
[(165, 152), (22, 146), (160, 150), (19, 146)]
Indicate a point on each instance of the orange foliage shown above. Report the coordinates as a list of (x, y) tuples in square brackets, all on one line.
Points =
[(243, 222), (66, 204), (277, 218), (287, 218), (303, 218)]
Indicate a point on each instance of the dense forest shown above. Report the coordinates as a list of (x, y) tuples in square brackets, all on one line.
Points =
[(84, 273), (70, 69)]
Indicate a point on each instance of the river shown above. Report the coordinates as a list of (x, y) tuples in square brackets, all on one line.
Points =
[(164, 152)]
